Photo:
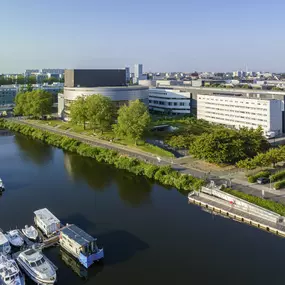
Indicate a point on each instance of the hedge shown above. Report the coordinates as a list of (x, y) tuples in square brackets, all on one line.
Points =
[(163, 174), (279, 184), (253, 178), (278, 176), (267, 204)]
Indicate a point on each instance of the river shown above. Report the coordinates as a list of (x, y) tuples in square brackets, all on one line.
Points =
[(150, 234)]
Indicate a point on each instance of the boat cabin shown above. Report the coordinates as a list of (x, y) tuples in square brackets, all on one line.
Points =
[(47, 222), (80, 244)]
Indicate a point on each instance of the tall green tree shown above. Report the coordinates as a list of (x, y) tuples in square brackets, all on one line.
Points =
[(100, 112), (41, 103), (133, 120), (36, 103), (20, 103), (228, 146), (78, 112)]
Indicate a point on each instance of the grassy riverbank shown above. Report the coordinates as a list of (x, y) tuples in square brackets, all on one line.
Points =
[(107, 136), (163, 174)]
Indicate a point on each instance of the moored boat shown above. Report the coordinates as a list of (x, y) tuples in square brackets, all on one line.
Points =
[(2, 187), (10, 273), (15, 238), (5, 247), (30, 232), (81, 245), (37, 266), (46, 222)]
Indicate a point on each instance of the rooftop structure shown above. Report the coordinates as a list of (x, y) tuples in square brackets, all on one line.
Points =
[(78, 235), (94, 77), (46, 217)]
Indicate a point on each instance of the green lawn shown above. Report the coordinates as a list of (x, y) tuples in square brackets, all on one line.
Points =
[(109, 135)]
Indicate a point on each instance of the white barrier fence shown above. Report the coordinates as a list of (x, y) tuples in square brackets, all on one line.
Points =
[(244, 205)]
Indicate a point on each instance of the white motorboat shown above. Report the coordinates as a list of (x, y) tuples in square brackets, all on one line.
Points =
[(37, 266), (2, 187), (15, 238), (5, 247), (30, 232), (10, 273)]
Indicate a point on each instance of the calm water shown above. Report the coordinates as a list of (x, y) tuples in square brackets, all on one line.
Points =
[(150, 234)]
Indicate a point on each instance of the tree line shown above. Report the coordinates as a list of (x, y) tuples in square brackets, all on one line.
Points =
[(99, 113), (20, 79), (264, 159), (35, 103)]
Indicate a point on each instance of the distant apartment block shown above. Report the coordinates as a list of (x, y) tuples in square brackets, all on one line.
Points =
[(9, 92), (237, 112), (138, 70), (7, 96), (29, 72), (138, 73), (169, 101), (52, 70)]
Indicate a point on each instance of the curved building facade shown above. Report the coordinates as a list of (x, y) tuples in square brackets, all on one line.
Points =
[(120, 95)]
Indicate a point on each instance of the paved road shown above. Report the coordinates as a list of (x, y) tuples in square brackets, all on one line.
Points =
[(235, 184)]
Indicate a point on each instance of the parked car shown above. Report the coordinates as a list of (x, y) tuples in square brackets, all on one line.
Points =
[(263, 180)]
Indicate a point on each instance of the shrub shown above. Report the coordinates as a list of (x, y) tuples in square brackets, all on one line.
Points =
[(278, 176), (267, 204), (279, 184), (253, 178)]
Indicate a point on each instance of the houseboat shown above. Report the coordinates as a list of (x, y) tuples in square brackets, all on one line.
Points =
[(46, 222), (81, 245)]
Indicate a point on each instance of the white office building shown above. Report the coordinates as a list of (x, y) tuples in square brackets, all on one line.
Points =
[(238, 111), (169, 101)]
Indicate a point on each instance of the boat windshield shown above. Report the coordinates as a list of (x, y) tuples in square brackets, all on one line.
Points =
[(33, 264), (11, 278)]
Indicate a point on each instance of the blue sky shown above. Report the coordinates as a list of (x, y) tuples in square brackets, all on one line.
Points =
[(184, 35)]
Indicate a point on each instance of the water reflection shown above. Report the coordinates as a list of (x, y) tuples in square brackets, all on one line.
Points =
[(98, 176), (132, 189), (33, 150), (78, 268)]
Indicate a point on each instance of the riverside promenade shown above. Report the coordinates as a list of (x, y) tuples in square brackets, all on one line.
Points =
[(218, 202), (238, 184)]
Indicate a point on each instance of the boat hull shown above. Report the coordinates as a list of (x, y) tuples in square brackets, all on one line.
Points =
[(86, 261)]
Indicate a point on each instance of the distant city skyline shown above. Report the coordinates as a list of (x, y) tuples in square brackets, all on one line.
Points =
[(163, 35)]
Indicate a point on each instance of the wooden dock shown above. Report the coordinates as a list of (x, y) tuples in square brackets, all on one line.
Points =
[(223, 208)]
